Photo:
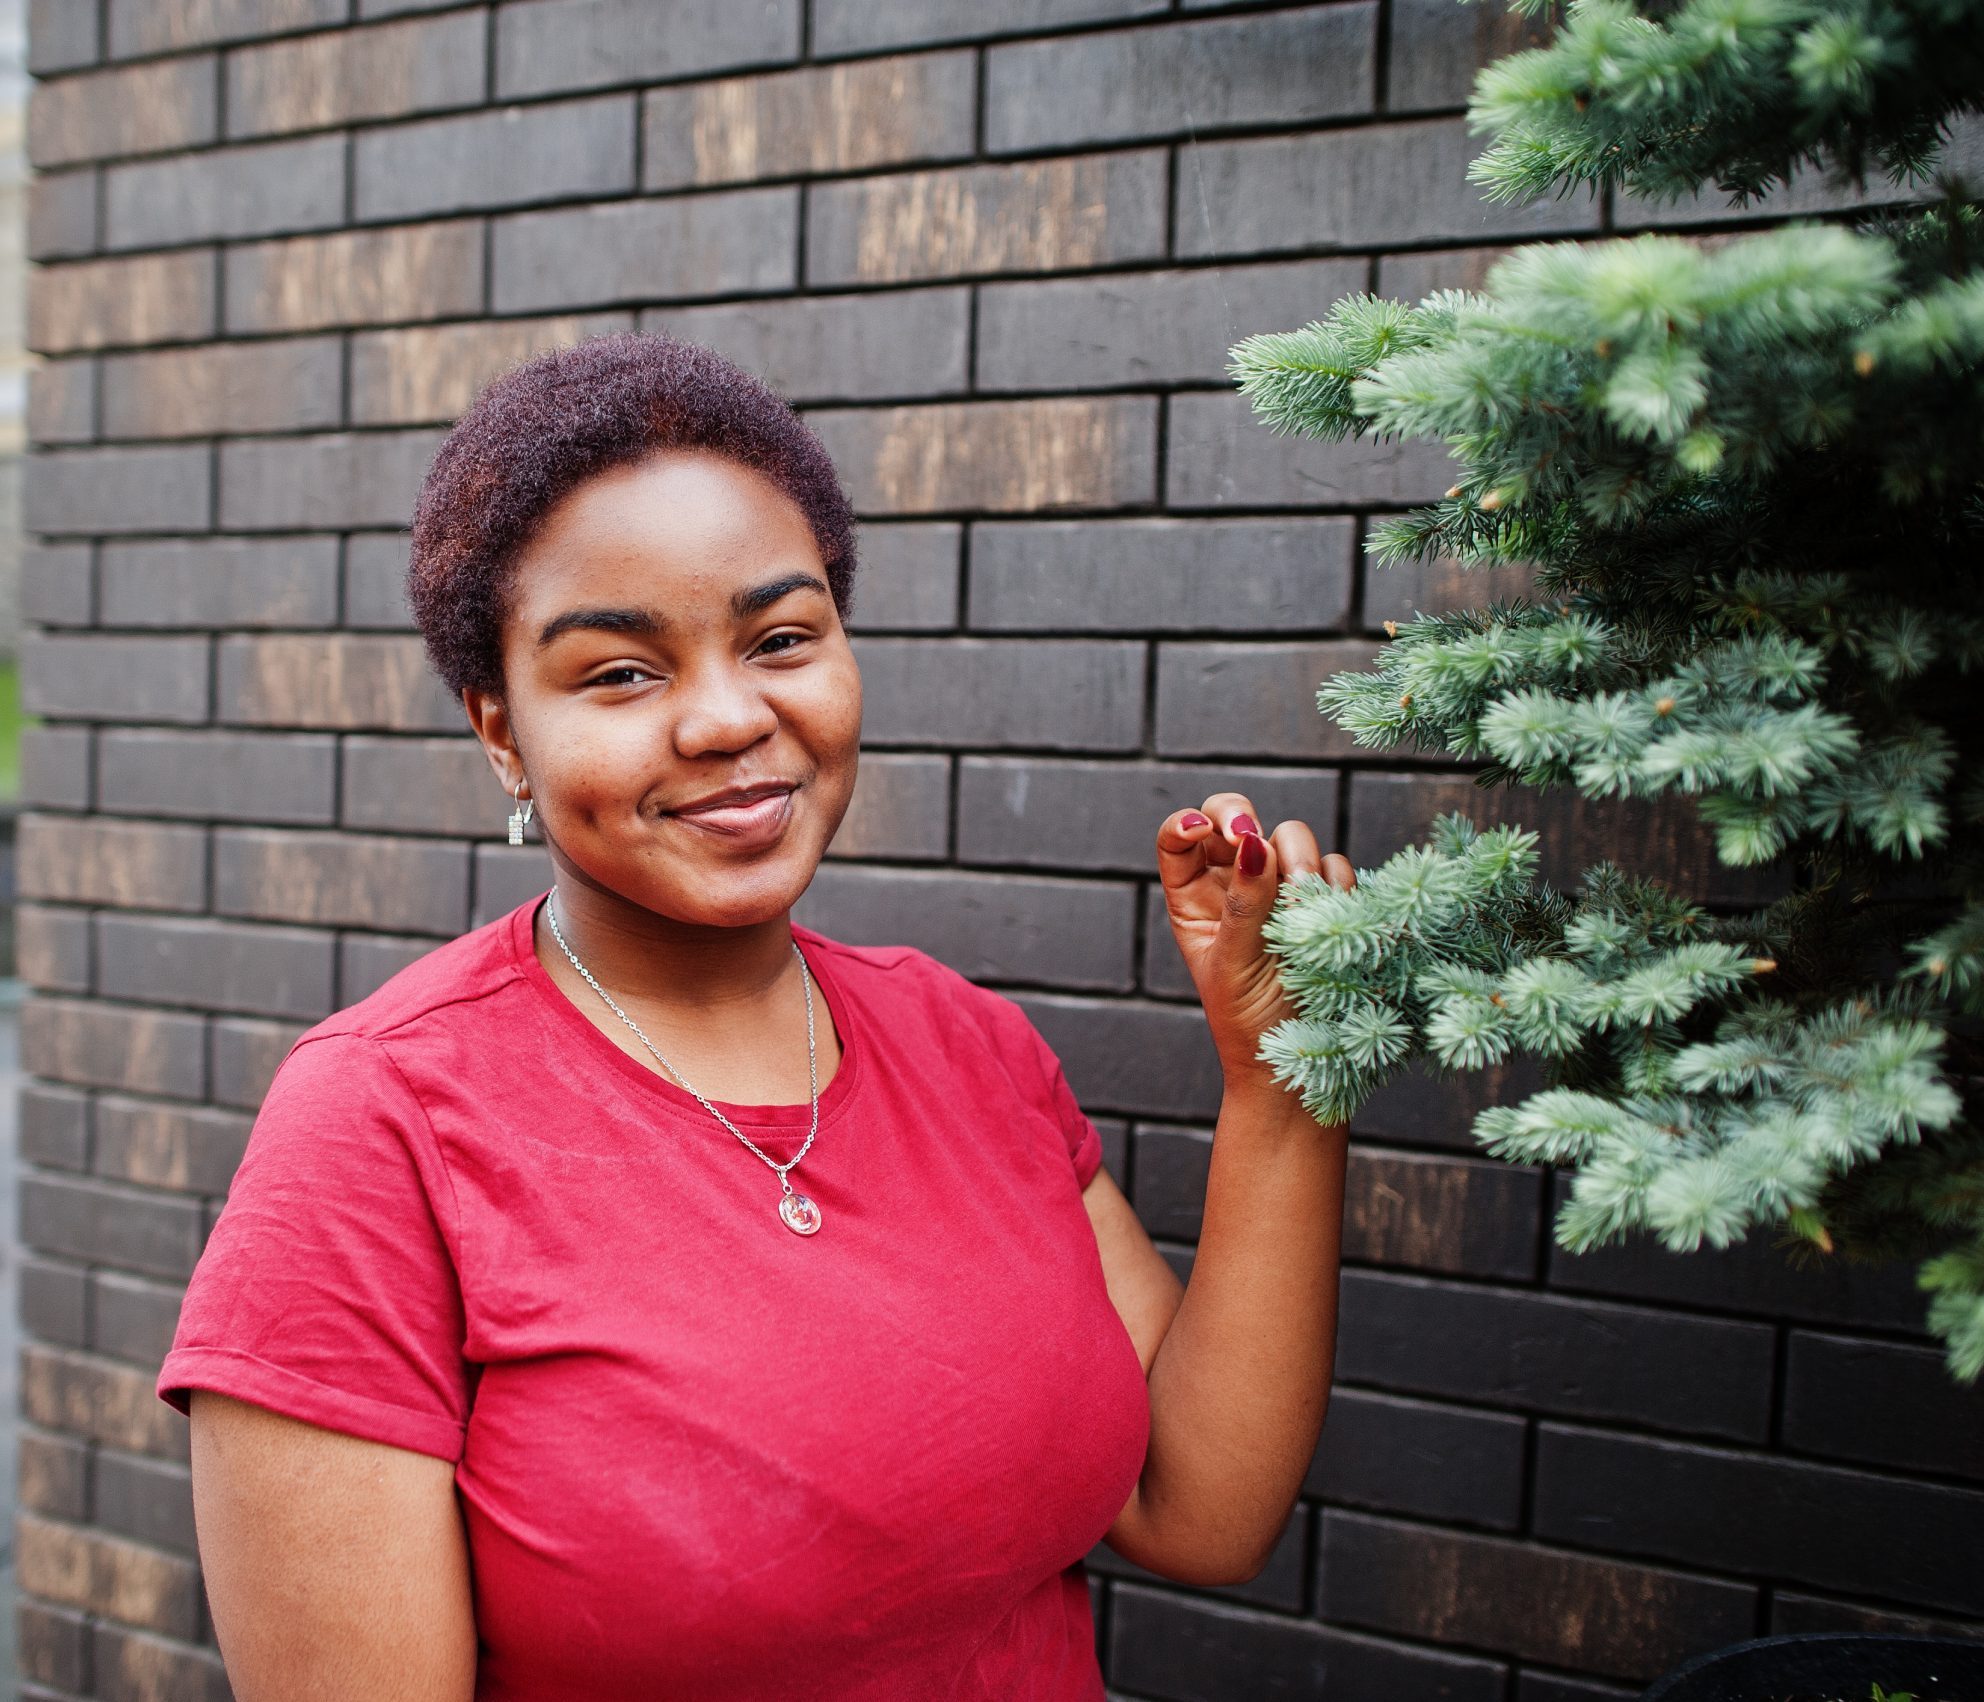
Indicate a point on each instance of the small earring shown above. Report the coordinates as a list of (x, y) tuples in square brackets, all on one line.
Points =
[(520, 819)]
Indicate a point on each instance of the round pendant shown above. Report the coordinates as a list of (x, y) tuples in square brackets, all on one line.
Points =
[(801, 1216)]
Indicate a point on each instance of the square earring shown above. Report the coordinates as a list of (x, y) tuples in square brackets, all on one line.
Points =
[(520, 819)]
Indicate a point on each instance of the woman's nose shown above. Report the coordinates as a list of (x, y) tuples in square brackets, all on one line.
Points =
[(721, 710)]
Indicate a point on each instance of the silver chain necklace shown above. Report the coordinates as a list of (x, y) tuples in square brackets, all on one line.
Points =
[(801, 1215)]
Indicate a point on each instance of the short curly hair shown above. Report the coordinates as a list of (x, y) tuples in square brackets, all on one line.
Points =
[(542, 429)]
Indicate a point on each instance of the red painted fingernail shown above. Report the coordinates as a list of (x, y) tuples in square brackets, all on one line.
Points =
[(1244, 823), (1192, 821), (1253, 856)]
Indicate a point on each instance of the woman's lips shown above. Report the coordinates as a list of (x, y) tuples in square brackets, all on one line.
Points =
[(753, 822)]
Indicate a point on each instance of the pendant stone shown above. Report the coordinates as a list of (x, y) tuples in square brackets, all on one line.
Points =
[(801, 1216)]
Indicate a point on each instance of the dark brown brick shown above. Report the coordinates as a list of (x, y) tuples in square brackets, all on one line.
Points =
[(1413, 277), (900, 808), (187, 1148), (62, 401), (1005, 928), (1748, 1513), (50, 1644), (220, 582), (131, 1667), (62, 213), (1283, 68), (1161, 575), (544, 45), (139, 27), (54, 1125), (246, 1053), (421, 786), (58, 584), (52, 948), (1221, 456), (1069, 694), (430, 271), (139, 109), (744, 242), (1436, 587), (133, 1317), (1005, 457), (163, 489), (1794, 1613), (54, 1475), (1163, 1643), (324, 483), (84, 1219), (54, 1302), (341, 880), (291, 385), (1250, 700), (146, 866), (1545, 1353), (1881, 1402), (857, 26), (375, 581), (84, 1395), (1173, 327), (505, 878), (1043, 216), (1433, 1213), (262, 189), (261, 777), (98, 1045), (341, 680), (432, 373), (106, 304), (420, 65), (210, 965), (503, 158), (55, 767), (1131, 1058), (908, 579), (366, 962), (1453, 1464), (829, 118), (1369, 186), (838, 348), (1521, 1599), (1447, 46), (147, 1500)]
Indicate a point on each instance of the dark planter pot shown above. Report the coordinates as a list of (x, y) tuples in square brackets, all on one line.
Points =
[(1829, 1667)]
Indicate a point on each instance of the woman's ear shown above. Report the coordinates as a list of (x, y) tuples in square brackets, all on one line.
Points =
[(490, 717)]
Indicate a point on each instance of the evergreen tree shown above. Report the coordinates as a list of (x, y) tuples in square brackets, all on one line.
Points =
[(1746, 477)]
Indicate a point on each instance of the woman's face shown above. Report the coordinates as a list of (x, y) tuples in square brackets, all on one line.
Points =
[(679, 694)]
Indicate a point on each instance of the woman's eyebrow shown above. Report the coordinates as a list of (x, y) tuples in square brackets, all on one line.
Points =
[(643, 622), (749, 602)]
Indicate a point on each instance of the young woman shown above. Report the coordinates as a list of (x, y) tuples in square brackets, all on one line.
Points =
[(646, 1296)]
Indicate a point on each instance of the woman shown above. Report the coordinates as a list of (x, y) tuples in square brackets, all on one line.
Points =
[(511, 1371)]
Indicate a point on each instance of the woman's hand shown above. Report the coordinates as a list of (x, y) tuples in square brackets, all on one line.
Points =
[(1220, 876)]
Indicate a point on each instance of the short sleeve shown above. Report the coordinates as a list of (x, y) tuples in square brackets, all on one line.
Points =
[(328, 1290), (1034, 1068)]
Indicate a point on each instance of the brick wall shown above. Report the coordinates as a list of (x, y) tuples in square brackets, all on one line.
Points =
[(998, 250)]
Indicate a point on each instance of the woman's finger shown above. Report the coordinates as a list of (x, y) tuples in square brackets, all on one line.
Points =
[(1181, 841), (1296, 849), (1234, 815), (1338, 872)]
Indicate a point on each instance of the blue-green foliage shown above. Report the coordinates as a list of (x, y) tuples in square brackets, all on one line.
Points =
[(1746, 481)]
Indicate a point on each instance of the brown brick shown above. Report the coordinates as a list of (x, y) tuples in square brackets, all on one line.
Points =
[(838, 348), (1442, 1214), (829, 118), (260, 189), (166, 488), (1436, 587), (214, 965), (1250, 700), (62, 401), (1563, 1609), (152, 771), (139, 865), (342, 880), (54, 1475), (104, 678), (246, 1053), (54, 1301), (375, 581), (421, 786), (1449, 44), (123, 1580), (133, 1317), (1066, 693), (900, 808), (188, 1148), (542, 45), (79, 1218), (139, 27), (505, 878), (62, 212), (57, 584), (324, 483), (83, 1395), (1221, 456), (125, 1046), (140, 109), (51, 948), (420, 65), (104, 304), (1042, 216), (908, 577), (343, 680), (291, 385), (1413, 277), (366, 962), (432, 373), (147, 1501), (55, 767), (220, 582), (131, 1667), (855, 26), (50, 1645), (431, 271), (54, 1126), (1003, 457), (1131, 1057)]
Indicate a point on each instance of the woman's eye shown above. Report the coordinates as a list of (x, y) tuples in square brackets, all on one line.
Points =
[(620, 676), (780, 642)]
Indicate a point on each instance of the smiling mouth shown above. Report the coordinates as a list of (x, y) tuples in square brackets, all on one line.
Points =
[(761, 816)]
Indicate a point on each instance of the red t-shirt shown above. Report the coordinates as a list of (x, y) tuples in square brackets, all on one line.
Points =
[(700, 1456)]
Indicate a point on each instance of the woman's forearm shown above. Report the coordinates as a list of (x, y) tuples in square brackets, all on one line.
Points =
[(1240, 1383)]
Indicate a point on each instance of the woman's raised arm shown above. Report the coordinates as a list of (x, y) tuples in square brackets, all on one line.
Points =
[(335, 1567)]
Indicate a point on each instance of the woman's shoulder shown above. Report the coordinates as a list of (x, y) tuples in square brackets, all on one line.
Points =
[(894, 973)]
